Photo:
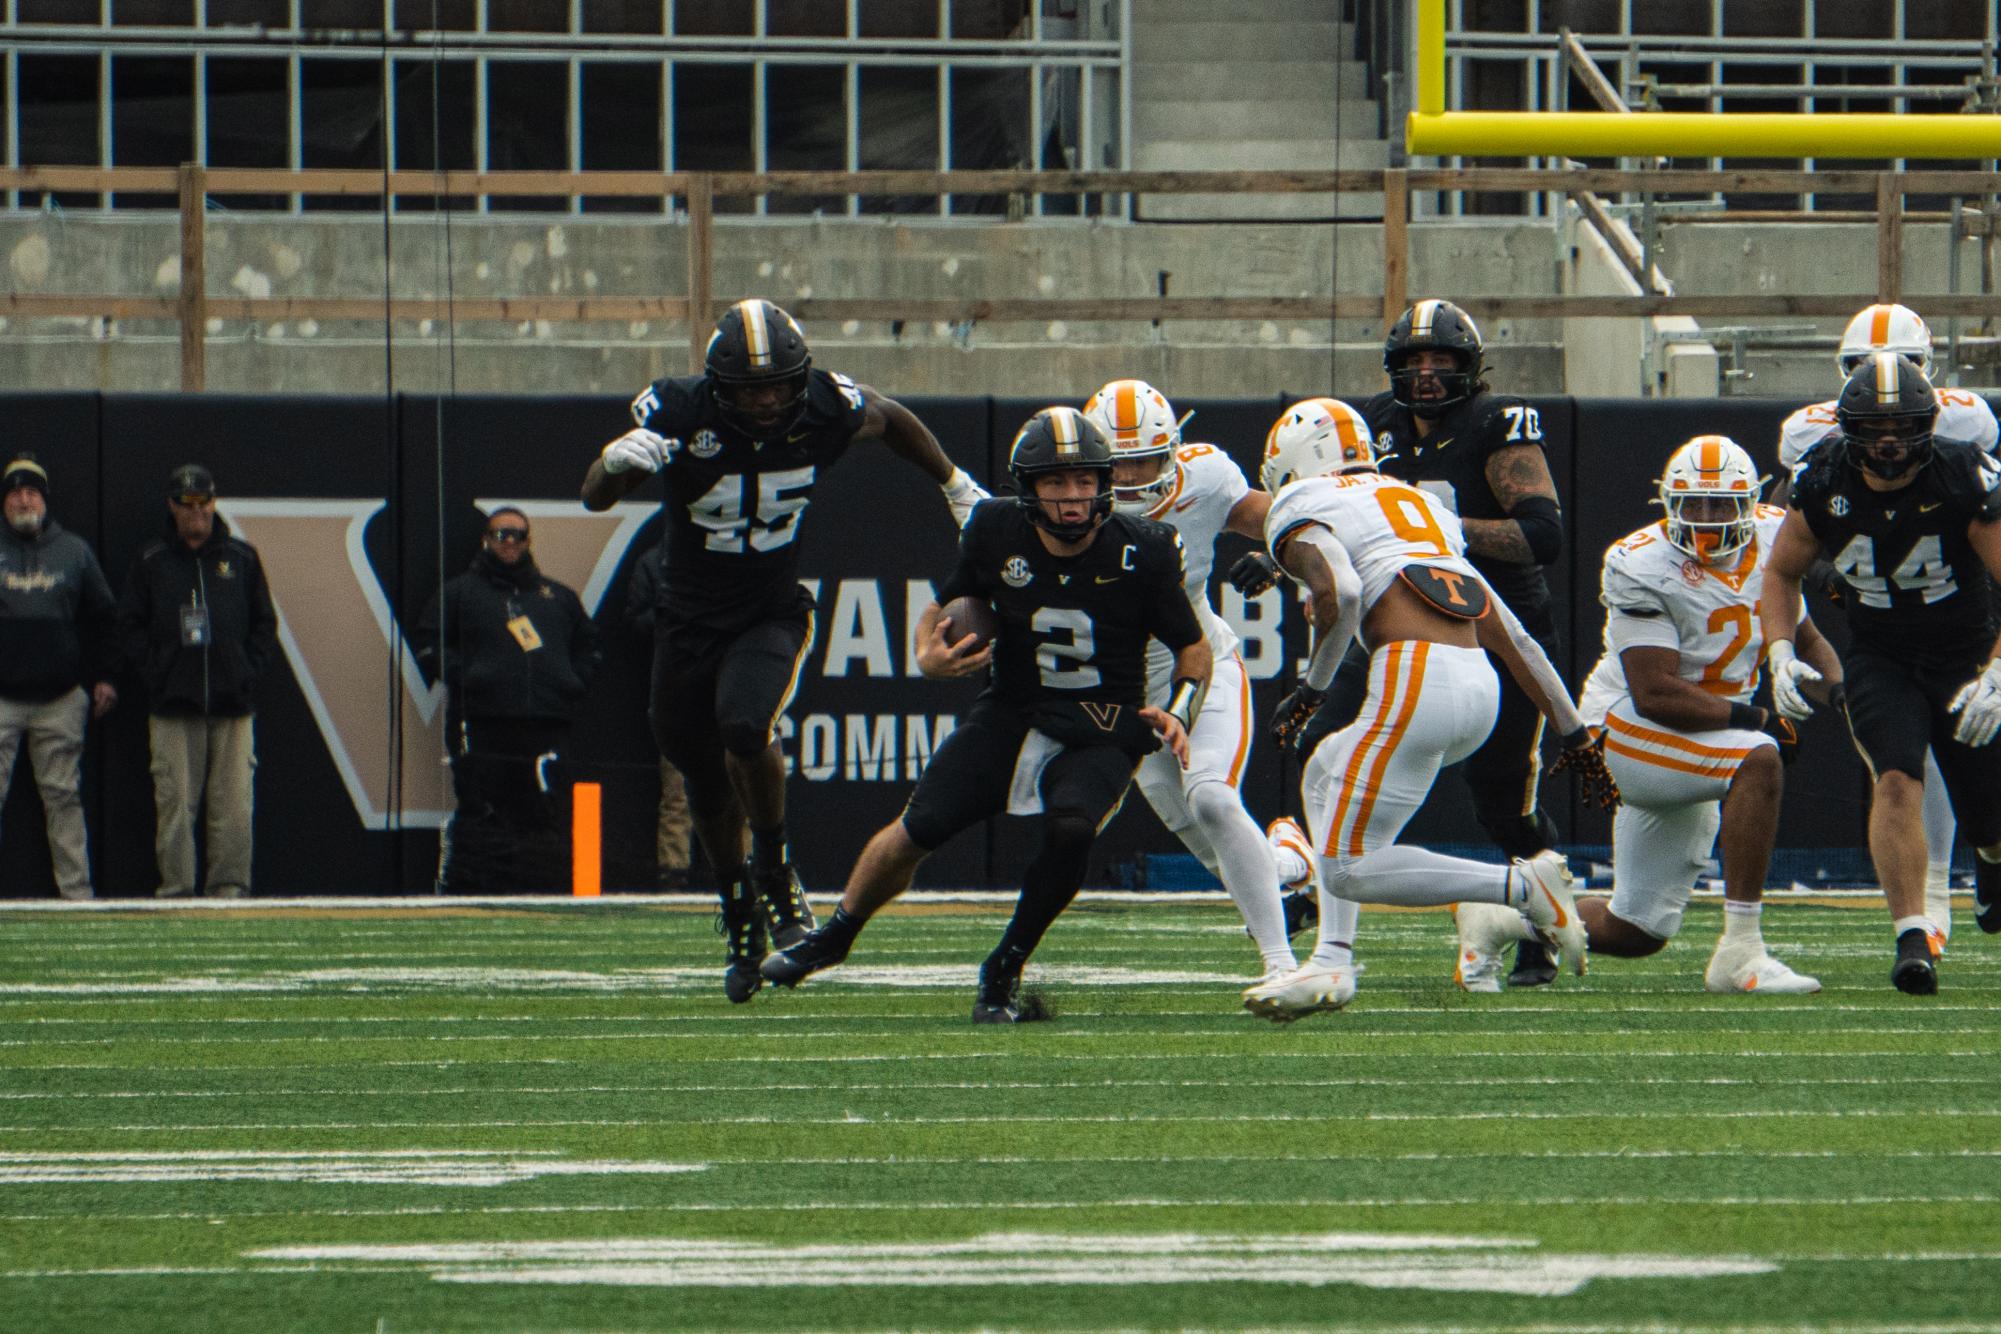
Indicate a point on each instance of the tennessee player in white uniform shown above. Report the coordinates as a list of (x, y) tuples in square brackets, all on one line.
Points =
[(1198, 491), (1961, 416), (1691, 753), (1385, 559)]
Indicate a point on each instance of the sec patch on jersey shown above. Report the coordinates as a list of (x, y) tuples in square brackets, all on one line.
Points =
[(971, 616)]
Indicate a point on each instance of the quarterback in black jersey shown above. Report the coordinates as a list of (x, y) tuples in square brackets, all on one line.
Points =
[(1481, 454), (1913, 525), (1063, 722), (740, 449)]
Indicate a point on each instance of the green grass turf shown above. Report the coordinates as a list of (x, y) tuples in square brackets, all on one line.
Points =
[(198, 1111)]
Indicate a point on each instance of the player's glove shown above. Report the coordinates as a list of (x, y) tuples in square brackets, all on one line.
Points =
[(1789, 678), (1253, 573), (1978, 705), (1780, 729), (638, 449), (1294, 711), (962, 493), (1584, 755), (1835, 588)]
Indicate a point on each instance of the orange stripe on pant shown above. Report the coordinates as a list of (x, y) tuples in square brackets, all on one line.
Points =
[(1392, 671), (1672, 741), (1382, 763), (1718, 768), (1245, 722)]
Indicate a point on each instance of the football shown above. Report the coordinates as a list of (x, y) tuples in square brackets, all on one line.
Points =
[(971, 616)]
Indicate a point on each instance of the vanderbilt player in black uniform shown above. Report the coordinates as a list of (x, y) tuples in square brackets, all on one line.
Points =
[(1063, 722), (741, 448), (1913, 525), (1482, 454)]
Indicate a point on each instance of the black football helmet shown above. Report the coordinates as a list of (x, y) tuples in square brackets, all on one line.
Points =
[(1434, 324), (756, 345), (1886, 412), (1057, 440)]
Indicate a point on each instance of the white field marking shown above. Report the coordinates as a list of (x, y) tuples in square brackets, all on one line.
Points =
[(386, 1167), (858, 1118), (1371, 1260), (964, 1085)]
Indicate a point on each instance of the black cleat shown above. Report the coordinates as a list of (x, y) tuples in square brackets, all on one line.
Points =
[(1986, 893), (999, 1000), (1302, 913), (1535, 966), (785, 905), (813, 952), (741, 925), (1914, 974)]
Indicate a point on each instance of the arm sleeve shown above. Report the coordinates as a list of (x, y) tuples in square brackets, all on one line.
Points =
[(1330, 648), (1563, 709), (1170, 617)]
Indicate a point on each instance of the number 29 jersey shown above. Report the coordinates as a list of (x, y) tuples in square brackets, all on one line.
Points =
[(1918, 589), (1074, 629), (733, 505)]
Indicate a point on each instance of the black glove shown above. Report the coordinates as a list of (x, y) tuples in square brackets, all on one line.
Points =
[(1584, 755), (1836, 589), (1253, 573), (1780, 728), (1295, 711)]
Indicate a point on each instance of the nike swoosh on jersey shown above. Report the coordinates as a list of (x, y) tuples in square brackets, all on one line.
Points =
[(1927, 509), (1108, 578)]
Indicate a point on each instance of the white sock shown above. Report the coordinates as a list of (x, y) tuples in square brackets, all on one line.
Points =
[(1339, 918), (1244, 865), (1938, 897), (1419, 878), (1903, 924), (1740, 923)]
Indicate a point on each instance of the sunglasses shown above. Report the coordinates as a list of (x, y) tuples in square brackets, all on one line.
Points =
[(507, 534), (192, 501)]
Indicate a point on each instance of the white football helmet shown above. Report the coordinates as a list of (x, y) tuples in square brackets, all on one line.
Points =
[(1139, 422), (1314, 438), (1885, 329), (1712, 468)]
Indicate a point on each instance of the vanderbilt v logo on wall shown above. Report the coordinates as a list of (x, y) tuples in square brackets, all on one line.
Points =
[(384, 728)]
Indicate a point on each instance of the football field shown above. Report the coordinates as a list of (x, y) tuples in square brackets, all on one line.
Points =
[(541, 1115)]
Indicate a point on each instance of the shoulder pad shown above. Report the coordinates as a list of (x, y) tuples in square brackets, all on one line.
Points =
[(671, 405), (835, 396), (1804, 429)]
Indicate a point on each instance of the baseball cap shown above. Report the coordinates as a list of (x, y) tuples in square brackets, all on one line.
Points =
[(191, 480), (24, 471)]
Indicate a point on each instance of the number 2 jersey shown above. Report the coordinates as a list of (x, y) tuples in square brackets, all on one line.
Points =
[(1384, 525), (1071, 652), (733, 505), (1918, 590), (1451, 464), (1658, 596), (1207, 487)]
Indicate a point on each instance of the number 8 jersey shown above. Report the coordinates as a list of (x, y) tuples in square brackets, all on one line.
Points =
[(733, 505), (1919, 591)]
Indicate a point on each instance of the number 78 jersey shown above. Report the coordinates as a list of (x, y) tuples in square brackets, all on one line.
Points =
[(1384, 524), (1658, 596)]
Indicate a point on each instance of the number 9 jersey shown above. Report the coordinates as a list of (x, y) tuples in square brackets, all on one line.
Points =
[(1385, 525), (734, 505)]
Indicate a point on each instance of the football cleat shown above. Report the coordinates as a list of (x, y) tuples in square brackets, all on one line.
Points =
[(785, 905), (1535, 965), (741, 925), (1749, 968), (1550, 907), (1302, 912), (1303, 991), (1485, 929), (1285, 836), (813, 952), (1914, 973), (1986, 894)]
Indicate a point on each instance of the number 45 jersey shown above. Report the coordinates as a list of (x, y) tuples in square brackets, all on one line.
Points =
[(1657, 596), (733, 505), (1918, 590)]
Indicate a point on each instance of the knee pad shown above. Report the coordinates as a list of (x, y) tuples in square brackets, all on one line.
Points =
[(1213, 800)]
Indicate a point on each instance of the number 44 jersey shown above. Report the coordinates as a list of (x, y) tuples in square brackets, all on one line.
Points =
[(733, 504), (1918, 590), (1657, 596)]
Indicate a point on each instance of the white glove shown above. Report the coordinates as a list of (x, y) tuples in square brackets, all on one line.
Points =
[(638, 448), (962, 493), (1978, 705), (1789, 674)]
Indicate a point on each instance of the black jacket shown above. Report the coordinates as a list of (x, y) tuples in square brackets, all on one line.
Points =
[(58, 624), (489, 673), (218, 676)]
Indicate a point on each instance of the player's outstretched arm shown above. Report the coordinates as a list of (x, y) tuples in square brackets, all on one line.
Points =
[(885, 419), (1313, 556), (1503, 636)]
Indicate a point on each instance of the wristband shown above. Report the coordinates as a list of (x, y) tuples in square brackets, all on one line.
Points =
[(1182, 701), (1747, 718)]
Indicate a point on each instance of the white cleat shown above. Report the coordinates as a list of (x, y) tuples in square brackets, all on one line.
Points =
[(1485, 929), (1301, 992), (1285, 835), (1735, 968), (1550, 907)]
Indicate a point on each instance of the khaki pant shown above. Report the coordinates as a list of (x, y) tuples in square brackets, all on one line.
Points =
[(193, 758), (671, 842), (55, 747)]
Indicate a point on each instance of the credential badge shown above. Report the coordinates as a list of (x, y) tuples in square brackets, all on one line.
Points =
[(1016, 574), (706, 444)]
